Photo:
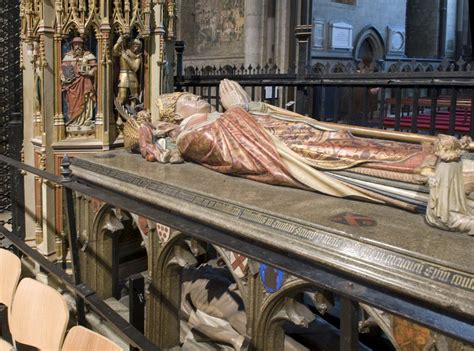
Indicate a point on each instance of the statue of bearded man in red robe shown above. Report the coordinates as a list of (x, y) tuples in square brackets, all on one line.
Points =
[(77, 79)]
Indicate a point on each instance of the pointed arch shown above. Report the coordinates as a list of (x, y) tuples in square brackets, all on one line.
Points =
[(370, 42)]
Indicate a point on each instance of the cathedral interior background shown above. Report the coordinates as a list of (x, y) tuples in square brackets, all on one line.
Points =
[(236, 175)]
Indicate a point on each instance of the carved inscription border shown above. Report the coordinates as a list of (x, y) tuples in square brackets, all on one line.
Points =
[(321, 239)]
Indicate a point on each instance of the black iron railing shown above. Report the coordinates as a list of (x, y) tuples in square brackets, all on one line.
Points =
[(84, 295), (418, 97)]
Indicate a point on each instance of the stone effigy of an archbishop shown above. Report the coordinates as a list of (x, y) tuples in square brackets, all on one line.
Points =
[(262, 142)]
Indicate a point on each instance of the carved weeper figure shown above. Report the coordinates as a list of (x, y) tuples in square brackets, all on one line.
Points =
[(77, 79), (279, 147), (212, 307)]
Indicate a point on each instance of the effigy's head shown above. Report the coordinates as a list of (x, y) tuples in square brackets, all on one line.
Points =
[(175, 107)]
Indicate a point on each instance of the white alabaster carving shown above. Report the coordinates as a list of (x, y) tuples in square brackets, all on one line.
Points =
[(448, 207)]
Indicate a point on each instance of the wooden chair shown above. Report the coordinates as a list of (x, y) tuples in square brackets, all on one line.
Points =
[(39, 316), (80, 338), (10, 270)]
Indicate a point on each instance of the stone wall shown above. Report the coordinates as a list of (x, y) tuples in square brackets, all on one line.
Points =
[(236, 32), (233, 32), (380, 16), (213, 30)]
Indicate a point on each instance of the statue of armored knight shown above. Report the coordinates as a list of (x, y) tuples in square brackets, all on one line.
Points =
[(130, 61)]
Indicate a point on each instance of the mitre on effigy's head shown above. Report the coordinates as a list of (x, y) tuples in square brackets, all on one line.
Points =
[(167, 107)]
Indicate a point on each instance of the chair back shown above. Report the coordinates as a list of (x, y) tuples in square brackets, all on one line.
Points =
[(10, 270), (80, 338), (39, 315)]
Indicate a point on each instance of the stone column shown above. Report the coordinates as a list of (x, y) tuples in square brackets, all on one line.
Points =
[(254, 25), (283, 34), (303, 47), (471, 22), (169, 48), (303, 36), (156, 55), (179, 48), (104, 120), (422, 27), (59, 125), (459, 28), (47, 51), (28, 134), (443, 10)]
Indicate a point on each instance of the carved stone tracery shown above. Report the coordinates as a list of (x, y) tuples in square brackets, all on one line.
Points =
[(133, 13), (78, 14), (172, 256), (30, 14)]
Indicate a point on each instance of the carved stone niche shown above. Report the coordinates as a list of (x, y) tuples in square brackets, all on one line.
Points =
[(278, 309), (129, 63), (112, 252), (78, 77), (300, 317), (216, 309), (166, 261), (192, 297)]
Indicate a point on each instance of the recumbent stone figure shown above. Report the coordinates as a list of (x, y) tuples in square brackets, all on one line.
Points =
[(268, 144)]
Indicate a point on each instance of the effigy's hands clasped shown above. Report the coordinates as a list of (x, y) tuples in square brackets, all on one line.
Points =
[(232, 94)]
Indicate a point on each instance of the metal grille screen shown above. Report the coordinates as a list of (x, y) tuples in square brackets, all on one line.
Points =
[(10, 85)]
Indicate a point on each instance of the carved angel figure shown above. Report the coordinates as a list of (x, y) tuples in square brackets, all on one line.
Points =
[(262, 142)]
